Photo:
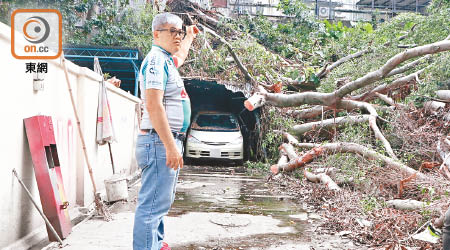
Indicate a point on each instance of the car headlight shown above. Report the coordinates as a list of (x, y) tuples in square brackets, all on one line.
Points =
[(192, 139), (236, 141)]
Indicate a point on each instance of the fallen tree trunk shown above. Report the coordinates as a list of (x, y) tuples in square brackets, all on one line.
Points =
[(291, 139), (290, 151), (283, 159), (309, 112), (339, 121), (298, 162), (384, 88), (343, 147), (432, 107), (406, 204), (331, 99), (348, 104), (323, 178), (443, 94), (287, 137), (204, 16)]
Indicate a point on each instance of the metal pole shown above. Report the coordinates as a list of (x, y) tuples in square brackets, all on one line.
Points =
[(417, 6), (317, 9), (111, 156), (38, 209), (136, 78), (393, 8), (329, 9)]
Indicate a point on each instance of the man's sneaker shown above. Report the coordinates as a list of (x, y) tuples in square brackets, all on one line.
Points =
[(165, 246)]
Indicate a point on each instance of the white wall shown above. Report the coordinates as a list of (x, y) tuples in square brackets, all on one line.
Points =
[(18, 101)]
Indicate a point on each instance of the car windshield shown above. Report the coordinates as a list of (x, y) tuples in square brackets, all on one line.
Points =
[(222, 122)]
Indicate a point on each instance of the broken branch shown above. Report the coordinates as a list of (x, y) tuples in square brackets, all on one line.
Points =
[(341, 61), (391, 64), (348, 104), (298, 162), (303, 128), (290, 151), (389, 100), (343, 147), (323, 178), (241, 66)]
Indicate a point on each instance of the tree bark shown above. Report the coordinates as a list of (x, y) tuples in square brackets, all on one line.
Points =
[(291, 139), (341, 61), (290, 151), (443, 94), (389, 100), (408, 66), (343, 147), (323, 178), (383, 89), (348, 104), (309, 112), (406, 204), (298, 162), (339, 121)]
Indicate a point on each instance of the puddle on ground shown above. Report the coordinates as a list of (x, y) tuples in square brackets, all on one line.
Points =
[(224, 208)]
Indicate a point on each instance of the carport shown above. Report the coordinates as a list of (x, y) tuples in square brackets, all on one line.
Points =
[(207, 95)]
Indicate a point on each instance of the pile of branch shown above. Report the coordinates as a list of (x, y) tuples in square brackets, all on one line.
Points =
[(342, 99), (355, 95)]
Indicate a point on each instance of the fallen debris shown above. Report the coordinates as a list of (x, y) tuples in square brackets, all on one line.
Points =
[(406, 204), (322, 178)]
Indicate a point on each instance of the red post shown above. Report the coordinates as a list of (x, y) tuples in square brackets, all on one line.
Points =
[(44, 154)]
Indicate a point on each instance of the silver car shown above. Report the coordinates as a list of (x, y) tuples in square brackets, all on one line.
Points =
[(215, 135)]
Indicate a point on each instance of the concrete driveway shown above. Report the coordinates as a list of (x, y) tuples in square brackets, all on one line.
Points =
[(217, 207)]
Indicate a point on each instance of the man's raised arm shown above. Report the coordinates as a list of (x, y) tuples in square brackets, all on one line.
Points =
[(180, 56)]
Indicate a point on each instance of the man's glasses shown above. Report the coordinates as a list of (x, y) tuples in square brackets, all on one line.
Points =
[(174, 32)]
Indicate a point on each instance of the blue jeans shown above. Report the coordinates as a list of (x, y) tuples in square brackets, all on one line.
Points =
[(157, 192)]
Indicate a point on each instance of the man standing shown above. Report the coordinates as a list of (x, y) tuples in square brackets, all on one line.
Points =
[(165, 120)]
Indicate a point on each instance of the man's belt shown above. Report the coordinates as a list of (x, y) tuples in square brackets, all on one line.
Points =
[(177, 135)]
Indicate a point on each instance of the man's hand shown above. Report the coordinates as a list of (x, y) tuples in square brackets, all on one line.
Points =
[(181, 55), (192, 31), (174, 159)]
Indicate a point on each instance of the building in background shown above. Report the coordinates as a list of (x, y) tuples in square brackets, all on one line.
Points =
[(342, 10)]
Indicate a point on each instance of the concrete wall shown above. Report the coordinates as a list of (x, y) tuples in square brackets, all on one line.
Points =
[(18, 100)]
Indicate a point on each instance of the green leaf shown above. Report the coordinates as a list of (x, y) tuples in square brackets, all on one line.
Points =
[(313, 78)]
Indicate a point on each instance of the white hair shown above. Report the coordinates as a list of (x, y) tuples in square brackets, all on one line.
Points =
[(165, 18)]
